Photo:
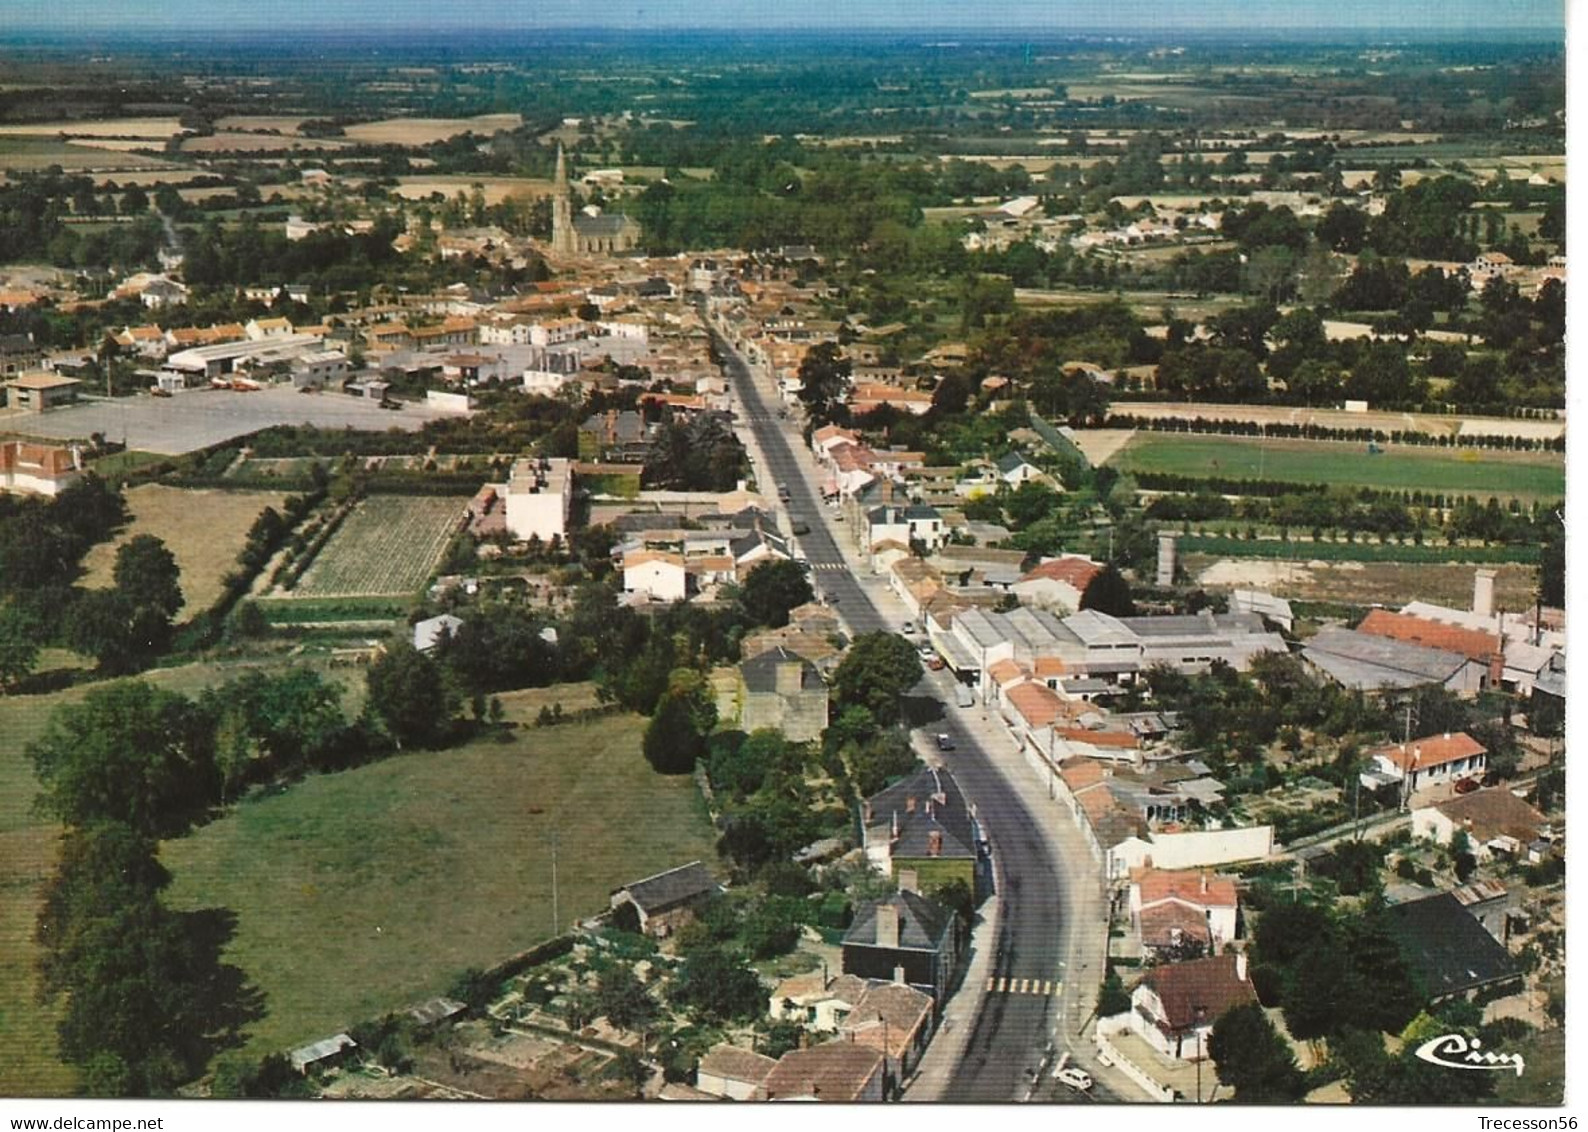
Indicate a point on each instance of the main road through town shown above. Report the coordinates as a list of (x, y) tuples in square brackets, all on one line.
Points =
[(1021, 1026)]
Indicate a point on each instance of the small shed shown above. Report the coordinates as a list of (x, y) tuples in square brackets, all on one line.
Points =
[(666, 901), (428, 633), (317, 1057)]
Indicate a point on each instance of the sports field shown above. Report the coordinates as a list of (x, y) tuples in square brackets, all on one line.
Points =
[(1524, 475), (388, 545), (362, 892)]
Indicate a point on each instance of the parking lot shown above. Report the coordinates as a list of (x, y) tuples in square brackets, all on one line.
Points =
[(199, 418)]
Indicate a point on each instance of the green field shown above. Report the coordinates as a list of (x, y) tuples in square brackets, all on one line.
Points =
[(387, 546), (27, 854), (443, 852), (1469, 471)]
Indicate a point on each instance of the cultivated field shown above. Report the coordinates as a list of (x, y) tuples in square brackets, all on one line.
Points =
[(387, 546), (425, 131), (153, 129), (361, 892), (33, 154), (204, 530), (496, 189), (255, 143), (1480, 472)]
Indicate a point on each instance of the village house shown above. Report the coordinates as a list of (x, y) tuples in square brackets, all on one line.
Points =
[(40, 392), (1430, 761), (1174, 1007), (904, 938), (1450, 954), (537, 498), (921, 832), (895, 1020), (1494, 820), (845, 1072), (1172, 910), (781, 690), (1057, 584), (38, 469), (733, 1073)]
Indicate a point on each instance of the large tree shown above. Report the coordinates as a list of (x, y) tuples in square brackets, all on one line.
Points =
[(674, 739), (409, 693), (1253, 1058), (824, 381), (130, 752), (19, 644), (772, 589), (715, 985), (1109, 592), (876, 671), (147, 576)]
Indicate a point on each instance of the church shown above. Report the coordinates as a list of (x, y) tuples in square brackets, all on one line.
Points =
[(583, 233)]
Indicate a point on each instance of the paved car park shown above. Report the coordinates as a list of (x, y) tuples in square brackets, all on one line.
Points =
[(198, 418)]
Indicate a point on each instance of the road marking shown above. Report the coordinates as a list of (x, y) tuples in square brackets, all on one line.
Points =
[(990, 982), (1023, 983), (1047, 987)]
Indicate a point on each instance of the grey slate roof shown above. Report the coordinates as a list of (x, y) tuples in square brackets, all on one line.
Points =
[(1366, 661), (1009, 461), (664, 890), (950, 815), (1446, 947), (923, 925), (760, 672)]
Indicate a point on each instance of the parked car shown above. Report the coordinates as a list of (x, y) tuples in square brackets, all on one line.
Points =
[(944, 743), (1071, 1075), (909, 628), (936, 664), (1077, 1079), (1466, 785), (801, 528)]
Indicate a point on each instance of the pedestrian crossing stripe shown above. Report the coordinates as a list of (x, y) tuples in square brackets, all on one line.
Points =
[(1039, 987)]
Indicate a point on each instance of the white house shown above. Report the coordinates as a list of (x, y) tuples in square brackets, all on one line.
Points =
[(1174, 1007), (1057, 583), (1493, 820), (1430, 761), (659, 574), (1171, 906)]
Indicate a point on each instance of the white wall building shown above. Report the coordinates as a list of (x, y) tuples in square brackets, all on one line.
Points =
[(538, 497)]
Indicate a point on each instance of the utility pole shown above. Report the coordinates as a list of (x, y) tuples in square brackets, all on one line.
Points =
[(556, 917)]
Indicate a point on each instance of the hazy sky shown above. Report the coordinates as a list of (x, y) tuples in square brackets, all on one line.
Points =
[(157, 16)]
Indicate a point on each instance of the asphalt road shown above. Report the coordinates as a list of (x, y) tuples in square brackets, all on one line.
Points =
[(1009, 1055)]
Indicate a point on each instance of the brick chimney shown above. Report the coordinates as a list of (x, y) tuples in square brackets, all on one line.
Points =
[(887, 926), (934, 843), (909, 805)]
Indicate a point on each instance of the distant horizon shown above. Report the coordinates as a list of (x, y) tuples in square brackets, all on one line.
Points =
[(162, 19)]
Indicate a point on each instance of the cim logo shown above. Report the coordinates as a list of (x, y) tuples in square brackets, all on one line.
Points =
[(1455, 1051)]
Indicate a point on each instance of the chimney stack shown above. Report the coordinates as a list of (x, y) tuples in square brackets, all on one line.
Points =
[(1204, 882), (909, 805), (1166, 557), (909, 881), (1483, 593), (1240, 966), (934, 843), (898, 977), (887, 926)]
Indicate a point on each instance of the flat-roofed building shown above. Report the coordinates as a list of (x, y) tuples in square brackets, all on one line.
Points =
[(538, 495), (38, 392)]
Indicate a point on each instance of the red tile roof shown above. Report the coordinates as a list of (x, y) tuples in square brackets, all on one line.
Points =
[(1075, 571), (1436, 750), (1189, 885), (1160, 923), (837, 1071), (1431, 634), (1037, 704), (1213, 985)]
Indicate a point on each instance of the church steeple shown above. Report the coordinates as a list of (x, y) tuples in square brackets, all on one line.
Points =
[(563, 240)]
